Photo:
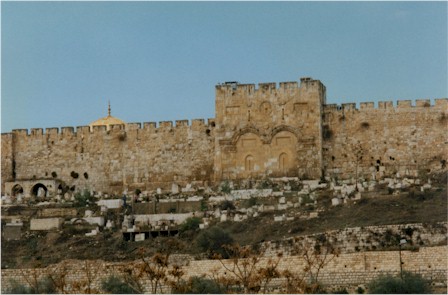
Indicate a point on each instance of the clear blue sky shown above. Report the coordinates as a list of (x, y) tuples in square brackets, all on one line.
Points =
[(160, 61)]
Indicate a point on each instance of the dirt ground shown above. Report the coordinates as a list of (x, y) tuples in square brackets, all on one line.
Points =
[(37, 249)]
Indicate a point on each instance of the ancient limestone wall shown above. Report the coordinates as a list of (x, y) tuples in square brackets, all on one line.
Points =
[(287, 130), (344, 270), (376, 142), (269, 131), (7, 159), (111, 161), (368, 238)]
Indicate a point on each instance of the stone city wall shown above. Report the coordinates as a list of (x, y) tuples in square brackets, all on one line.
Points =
[(368, 238), (343, 270), (376, 142), (272, 131), (110, 161)]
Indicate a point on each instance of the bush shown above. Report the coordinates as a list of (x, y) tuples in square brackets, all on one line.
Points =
[(44, 286), (83, 199), (192, 223), (114, 285), (198, 285), (17, 288), (225, 188), (410, 284), (226, 205), (212, 241)]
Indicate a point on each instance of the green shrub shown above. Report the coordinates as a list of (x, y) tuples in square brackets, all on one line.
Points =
[(83, 199), (410, 284), (212, 241), (115, 285), (340, 291), (192, 223), (17, 288), (226, 205), (225, 187), (44, 286), (198, 285)]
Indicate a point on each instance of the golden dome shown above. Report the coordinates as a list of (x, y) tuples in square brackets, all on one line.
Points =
[(107, 121)]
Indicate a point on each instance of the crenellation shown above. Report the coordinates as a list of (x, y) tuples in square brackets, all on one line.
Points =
[(182, 123), (84, 130), (116, 127), (52, 132), (404, 104), (385, 105), (332, 106), (349, 106), (423, 103), (99, 129), (165, 124), (20, 132), (269, 86), (211, 122), (133, 126), (289, 85), (36, 131), (195, 123), (370, 105), (149, 125), (67, 130), (441, 103)]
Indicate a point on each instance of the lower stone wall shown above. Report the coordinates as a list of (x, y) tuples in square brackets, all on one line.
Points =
[(344, 270), (368, 238)]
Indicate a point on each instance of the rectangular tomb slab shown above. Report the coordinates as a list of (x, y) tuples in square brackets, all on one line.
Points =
[(46, 223)]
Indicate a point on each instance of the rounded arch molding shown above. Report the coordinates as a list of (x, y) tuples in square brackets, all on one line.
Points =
[(281, 128), (265, 137)]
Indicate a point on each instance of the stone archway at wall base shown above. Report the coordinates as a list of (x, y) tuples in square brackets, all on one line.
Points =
[(16, 190), (38, 189)]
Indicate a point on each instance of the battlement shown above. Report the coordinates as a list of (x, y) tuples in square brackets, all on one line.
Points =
[(235, 88), (441, 103), (152, 127)]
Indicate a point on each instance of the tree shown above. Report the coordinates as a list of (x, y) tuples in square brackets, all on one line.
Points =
[(115, 285), (316, 257), (191, 224), (410, 284), (246, 270), (212, 241), (198, 285)]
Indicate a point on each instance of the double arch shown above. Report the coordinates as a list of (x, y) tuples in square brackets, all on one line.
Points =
[(264, 137)]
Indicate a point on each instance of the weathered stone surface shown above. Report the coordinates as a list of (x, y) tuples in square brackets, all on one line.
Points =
[(272, 131), (46, 223)]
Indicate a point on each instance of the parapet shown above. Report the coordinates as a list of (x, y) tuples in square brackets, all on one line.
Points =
[(423, 103), (133, 126), (366, 105), (68, 130), (389, 105), (235, 88), (180, 123), (83, 131), (36, 131)]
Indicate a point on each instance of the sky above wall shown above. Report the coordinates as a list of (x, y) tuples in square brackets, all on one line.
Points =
[(61, 62)]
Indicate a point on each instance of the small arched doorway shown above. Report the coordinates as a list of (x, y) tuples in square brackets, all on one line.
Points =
[(283, 163), (249, 163), (39, 190), (16, 190)]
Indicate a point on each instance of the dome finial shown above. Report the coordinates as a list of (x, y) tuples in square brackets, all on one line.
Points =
[(108, 110)]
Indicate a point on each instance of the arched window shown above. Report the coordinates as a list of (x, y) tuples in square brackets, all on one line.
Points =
[(17, 189), (39, 190), (249, 163), (283, 162)]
